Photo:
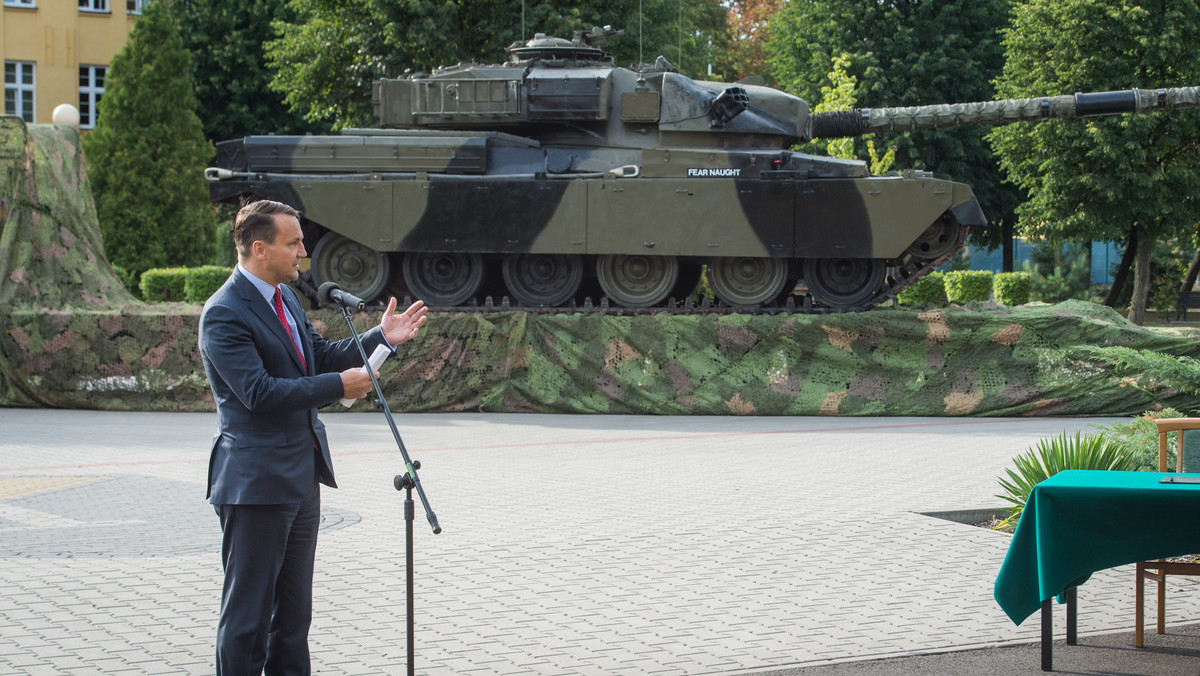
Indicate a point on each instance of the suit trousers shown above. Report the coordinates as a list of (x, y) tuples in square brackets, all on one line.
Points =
[(268, 554)]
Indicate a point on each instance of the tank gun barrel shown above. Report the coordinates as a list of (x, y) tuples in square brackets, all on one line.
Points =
[(842, 123)]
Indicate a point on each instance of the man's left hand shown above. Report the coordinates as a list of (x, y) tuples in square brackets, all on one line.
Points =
[(399, 327)]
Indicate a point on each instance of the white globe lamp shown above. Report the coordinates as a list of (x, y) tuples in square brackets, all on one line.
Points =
[(66, 113)]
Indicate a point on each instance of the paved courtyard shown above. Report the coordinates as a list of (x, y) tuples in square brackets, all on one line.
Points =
[(571, 544)]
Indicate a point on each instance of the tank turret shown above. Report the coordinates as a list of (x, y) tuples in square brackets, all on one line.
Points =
[(557, 176)]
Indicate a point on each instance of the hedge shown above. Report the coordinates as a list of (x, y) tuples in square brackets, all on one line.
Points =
[(1012, 288), (204, 281), (128, 279), (164, 285), (964, 286), (928, 290)]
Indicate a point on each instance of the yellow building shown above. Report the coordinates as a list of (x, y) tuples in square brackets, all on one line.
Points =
[(55, 52)]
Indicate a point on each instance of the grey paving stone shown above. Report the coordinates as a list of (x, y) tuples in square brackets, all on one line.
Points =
[(572, 544)]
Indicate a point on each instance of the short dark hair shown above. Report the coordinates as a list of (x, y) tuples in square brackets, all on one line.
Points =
[(256, 221)]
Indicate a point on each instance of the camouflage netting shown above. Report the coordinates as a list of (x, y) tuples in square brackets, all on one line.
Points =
[(72, 337), (986, 362), (51, 255)]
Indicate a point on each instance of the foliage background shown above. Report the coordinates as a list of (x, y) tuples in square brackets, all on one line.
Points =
[(905, 54), (1120, 178), (229, 70), (147, 153), (326, 59)]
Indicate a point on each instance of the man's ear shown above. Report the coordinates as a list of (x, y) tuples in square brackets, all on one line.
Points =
[(258, 249)]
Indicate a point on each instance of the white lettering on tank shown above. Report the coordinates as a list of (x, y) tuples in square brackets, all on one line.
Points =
[(724, 173)]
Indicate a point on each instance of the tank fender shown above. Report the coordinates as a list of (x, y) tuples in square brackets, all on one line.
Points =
[(969, 213)]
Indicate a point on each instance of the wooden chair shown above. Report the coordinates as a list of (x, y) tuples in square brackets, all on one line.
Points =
[(1159, 569)]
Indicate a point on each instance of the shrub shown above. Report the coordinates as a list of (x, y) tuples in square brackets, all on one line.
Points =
[(928, 290), (1059, 272), (964, 286), (164, 284), (204, 281), (1140, 437), (1146, 370), (226, 248), (703, 289), (128, 279), (1053, 455), (1012, 288), (153, 207)]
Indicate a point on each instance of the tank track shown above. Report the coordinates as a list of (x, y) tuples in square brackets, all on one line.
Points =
[(899, 277)]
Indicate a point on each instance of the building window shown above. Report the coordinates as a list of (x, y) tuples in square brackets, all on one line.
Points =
[(91, 88), (19, 3), (93, 5), (18, 89), (134, 6)]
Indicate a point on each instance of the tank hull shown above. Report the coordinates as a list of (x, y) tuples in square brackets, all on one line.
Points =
[(494, 198)]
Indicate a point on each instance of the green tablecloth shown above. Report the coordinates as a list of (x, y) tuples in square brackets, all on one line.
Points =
[(1081, 521)]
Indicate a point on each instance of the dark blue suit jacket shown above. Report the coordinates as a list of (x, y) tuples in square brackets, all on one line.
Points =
[(266, 401)]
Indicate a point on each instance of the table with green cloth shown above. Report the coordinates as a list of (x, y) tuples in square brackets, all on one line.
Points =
[(1080, 521)]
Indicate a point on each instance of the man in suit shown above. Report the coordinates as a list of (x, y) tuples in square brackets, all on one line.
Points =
[(270, 371)]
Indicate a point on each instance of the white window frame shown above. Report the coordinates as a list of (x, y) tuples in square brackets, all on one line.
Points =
[(30, 4), (90, 94), (94, 6), (135, 6), (24, 95)]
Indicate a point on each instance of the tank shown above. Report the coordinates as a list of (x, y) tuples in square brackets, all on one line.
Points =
[(558, 177)]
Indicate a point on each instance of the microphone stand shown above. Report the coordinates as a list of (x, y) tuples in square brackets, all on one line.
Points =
[(406, 482)]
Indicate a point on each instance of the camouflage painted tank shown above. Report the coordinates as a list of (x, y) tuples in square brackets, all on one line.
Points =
[(558, 175)]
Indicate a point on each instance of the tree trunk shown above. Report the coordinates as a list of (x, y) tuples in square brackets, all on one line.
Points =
[(1141, 278), (1118, 284), (1193, 271), (1006, 246), (1087, 256)]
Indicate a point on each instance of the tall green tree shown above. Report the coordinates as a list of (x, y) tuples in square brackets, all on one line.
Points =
[(905, 53), (840, 96), (147, 154), (229, 69), (328, 57), (1134, 178)]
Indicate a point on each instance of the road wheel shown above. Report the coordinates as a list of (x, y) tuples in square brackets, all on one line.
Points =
[(844, 282), (637, 281), (358, 269), (741, 281), (443, 279), (542, 280)]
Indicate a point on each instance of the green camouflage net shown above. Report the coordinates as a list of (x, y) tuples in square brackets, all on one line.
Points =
[(991, 361), (72, 337), (51, 255)]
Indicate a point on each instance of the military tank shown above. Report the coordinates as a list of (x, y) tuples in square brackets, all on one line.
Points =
[(558, 177)]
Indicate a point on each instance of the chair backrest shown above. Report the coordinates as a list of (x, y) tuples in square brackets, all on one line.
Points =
[(1187, 457)]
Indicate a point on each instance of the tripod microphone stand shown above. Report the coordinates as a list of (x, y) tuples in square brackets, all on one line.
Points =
[(406, 482)]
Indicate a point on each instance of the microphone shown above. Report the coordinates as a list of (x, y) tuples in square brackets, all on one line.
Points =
[(331, 294)]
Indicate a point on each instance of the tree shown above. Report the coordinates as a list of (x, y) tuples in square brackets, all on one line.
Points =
[(225, 39), (328, 58), (839, 95), (905, 53), (1131, 178), (748, 28), (147, 154)]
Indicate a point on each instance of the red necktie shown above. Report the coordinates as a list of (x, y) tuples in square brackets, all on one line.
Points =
[(283, 318)]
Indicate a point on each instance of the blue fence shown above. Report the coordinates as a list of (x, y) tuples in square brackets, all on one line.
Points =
[(1105, 257)]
